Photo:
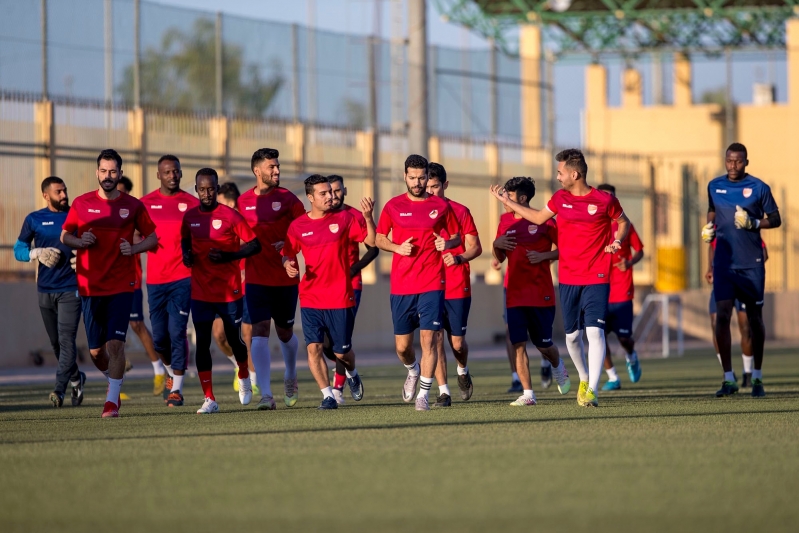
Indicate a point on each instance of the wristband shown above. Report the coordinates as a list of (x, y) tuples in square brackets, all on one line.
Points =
[(618, 241), (458, 260), (757, 223)]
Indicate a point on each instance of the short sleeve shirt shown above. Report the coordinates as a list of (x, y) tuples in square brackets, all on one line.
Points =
[(459, 284), (165, 263), (622, 288), (42, 229), (528, 285)]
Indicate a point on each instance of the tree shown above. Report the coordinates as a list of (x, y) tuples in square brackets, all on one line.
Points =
[(182, 75)]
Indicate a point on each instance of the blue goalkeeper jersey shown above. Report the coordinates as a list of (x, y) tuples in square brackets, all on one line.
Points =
[(42, 229), (738, 248)]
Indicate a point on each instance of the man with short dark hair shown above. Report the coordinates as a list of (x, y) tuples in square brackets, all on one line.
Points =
[(211, 236), (421, 227), (59, 303), (271, 295), (458, 293), (324, 236), (100, 226)]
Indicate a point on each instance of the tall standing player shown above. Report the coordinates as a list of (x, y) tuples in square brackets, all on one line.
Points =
[(168, 279), (586, 245), (620, 305), (327, 299), (39, 240), (458, 293), (101, 226), (211, 236), (739, 206), (411, 227), (271, 295)]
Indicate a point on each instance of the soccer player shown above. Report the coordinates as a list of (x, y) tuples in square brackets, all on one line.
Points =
[(620, 304), (100, 226), (339, 192), (739, 207), (168, 279), (137, 312), (39, 240), (416, 222), (458, 292), (327, 300), (585, 215), (268, 208), (529, 293), (211, 236)]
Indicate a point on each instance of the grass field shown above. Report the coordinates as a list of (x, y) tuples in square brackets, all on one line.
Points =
[(662, 455)]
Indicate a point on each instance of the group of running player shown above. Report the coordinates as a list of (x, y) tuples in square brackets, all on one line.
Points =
[(235, 268)]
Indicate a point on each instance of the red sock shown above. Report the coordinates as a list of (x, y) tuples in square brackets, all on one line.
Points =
[(244, 372), (205, 383), (339, 380)]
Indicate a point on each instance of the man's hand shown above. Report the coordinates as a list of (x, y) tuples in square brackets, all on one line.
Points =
[(125, 248), (709, 276), (215, 255), (406, 248), (440, 242), (87, 239), (499, 193), (46, 256), (73, 260), (743, 220), (709, 232), (496, 265), (452, 260), (291, 267), (535, 257), (623, 265), (613, 247), (188, 259), (278, 246), (505, 242), (367, 207)]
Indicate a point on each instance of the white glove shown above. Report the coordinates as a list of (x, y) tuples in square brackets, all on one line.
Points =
[(709, 232), (73, 259), (743, 220), (46, 256)]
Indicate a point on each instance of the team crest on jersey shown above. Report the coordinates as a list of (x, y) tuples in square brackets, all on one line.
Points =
[(182, 207), (591, 209), (747, 192), (333, 228), (216, 223), (275, 206), (533, 229), (434, 213), (124, 213)]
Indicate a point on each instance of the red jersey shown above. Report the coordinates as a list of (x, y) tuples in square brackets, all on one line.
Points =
[(528, 285), (165, 263), (621, 283), (355, 249), (269, 216), (584, 227), (102, 269), (459, 283), (325, 244), (224, 229), (423, 270)]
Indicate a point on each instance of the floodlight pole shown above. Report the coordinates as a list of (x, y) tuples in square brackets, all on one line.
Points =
[(418, 130)]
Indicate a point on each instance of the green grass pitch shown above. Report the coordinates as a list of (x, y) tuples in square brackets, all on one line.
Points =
[(661, 455)]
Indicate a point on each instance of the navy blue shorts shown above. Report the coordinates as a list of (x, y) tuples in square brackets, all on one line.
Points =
[(747, 285), (170, 304), (137, 307), (336, 323), (619, 319), (456, 315), (229, 312), (711, 306), (584, 306), (412, 311), (106, 318), (534, 321), (271, 303)]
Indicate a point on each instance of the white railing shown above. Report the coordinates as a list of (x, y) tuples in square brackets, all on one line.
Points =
[(647, 319)]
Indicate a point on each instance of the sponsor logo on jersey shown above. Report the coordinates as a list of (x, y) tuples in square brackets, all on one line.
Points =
[(195, 225), (47, 223), (747, 192), (96, 211), (721, 191), (333, 228), (156, 207), (307, 233), (276, 206), (119, 332), (600, 320), (624, 330), (546, 298), (591, 209), (567, 206), (216, 223), (345, 347), (406, 214), (182, 207), (510, 232), (547, 340), (533, 229), (124, 213), (600, 275), (434, 213), (250, 208)]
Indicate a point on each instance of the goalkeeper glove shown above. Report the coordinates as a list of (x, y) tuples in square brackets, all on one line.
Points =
[(743, 220), (46, 256), (73, 259), (709, 232)]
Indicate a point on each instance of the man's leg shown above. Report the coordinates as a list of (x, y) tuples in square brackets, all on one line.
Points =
[(283, 302), (48, 309), (116, 310), (405, 318), (444, 398), (573, 324), (430, 308), (95, 324), (203, 329), (231, 314), (594, 304), (340, 324), (747, 349), (523, 369), (539, 323), (178, 310), (68, 319)]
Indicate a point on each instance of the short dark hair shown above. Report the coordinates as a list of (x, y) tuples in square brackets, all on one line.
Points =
[(738, 147), (335, 178), (437, 170), (206, 172), (312, 180), (230, 191), (125, 181), (607, 187), (168, 157), (521, 185), (261, 154), (46, 182), (416, 161), (110, 154), (574, 160)]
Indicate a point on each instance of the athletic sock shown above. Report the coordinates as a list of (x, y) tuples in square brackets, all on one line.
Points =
[(289, 350), (254, 378), (262, 361), (339, 380), (631, 357), (729, 376), (749, 363), (206, 384), (74, 383), (243, 370), (462, 371), (757, 374), (528, 393), (718, 356), (574, 345), (114, 388), (169, 371), (424, 387), (514, 376), (596, 355), (177, 384), (612, 375), (327, 392), (351, 374), (443, 389), (158, 368), (413, 369), (232, 359), (545, 363)]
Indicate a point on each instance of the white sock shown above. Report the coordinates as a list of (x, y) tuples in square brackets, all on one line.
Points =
[(158, 368), (528, 393), (413, 369), (757, 374), (515, 376), (424, 387), (749, 363), (559, 372), (74, 383), (596, 355), (177, 384), (232, 359), (729, 376), (289, 350), (262, 361), (351, 374), (612, 375), (718, 356), (169, 371), (574, 345), (114, 388), (327, 392), (443, 389), (462, 371), (545, 363), (254, 378)]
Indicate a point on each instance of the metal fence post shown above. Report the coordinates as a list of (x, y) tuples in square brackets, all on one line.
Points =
[(44, 49), (218, 54), (137, 53)]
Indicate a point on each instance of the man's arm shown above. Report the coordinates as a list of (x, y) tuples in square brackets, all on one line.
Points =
[(535, 216), (771, 221), (384, 243), (473, 250), (367, 210), (85, 241), (188, 255), (246, 250), (368, 257), (144, 245), (621, 234), (711, 253)]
